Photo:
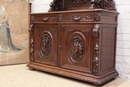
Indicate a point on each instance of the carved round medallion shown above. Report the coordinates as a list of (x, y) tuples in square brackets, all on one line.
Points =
[(45, 45), (76, 47)]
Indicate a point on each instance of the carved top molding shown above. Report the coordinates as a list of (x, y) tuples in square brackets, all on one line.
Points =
[(59, 5), (77, 1)]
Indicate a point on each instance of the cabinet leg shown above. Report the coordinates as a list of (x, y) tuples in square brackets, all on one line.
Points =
[(31, 68)]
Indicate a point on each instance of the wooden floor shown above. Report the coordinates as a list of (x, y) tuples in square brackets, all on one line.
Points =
[(21, 76)]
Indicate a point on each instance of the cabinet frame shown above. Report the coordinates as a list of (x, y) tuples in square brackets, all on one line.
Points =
[(99, 70)]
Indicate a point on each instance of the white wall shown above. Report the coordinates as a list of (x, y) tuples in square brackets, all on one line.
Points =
[(123, 33), (123, 38), (40, 5)]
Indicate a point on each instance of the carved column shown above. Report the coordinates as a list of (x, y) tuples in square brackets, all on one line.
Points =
[(31, 42), (96, 49)]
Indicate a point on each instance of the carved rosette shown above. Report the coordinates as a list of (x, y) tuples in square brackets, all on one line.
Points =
[(76, 48), (32, 18), (45, 45), (31, 42), (97, 16), (96, 49)]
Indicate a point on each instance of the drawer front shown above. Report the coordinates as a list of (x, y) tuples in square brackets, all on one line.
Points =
[(44, 18), (77, 17)]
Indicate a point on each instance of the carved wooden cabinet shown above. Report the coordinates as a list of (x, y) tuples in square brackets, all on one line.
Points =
[(78, 44)]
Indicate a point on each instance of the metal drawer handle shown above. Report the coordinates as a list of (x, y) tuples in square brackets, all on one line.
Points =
[(77, 18), (45, 19)]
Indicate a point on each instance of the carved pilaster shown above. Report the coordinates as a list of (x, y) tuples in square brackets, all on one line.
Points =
[(31, 42), (96, 49)]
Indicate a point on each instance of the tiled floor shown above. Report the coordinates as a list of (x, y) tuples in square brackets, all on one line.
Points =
[(21, 76)]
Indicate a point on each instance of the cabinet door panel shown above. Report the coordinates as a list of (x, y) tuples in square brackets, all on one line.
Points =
[(46, 44), (76, 47)]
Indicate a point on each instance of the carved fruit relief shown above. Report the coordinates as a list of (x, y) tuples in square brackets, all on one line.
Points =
[(45, 45)]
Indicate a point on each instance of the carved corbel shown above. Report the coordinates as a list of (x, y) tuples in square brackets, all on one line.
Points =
[(31, 28), (96, 31)]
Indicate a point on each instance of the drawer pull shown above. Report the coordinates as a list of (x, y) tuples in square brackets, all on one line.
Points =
[(77, 18), (45, 19)]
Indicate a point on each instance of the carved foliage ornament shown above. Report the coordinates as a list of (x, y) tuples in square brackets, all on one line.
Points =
[(109, 4), (96, 49), (56, 5), (31, 28), (81, 17)]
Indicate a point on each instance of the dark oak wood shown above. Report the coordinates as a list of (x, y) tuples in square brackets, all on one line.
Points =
[(58, 5), (79, 44)]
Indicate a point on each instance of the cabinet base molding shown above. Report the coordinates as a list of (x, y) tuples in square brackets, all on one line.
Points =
[(96, 80)]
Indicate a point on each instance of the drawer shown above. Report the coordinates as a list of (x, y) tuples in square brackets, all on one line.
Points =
[(78, 17), (43, 18)]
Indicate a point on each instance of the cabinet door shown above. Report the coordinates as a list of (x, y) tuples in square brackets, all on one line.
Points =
[(76, 45), (45, 45)]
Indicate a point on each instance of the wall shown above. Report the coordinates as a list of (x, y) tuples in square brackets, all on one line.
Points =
[(40, 5), (123, 33), (123, 40)]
